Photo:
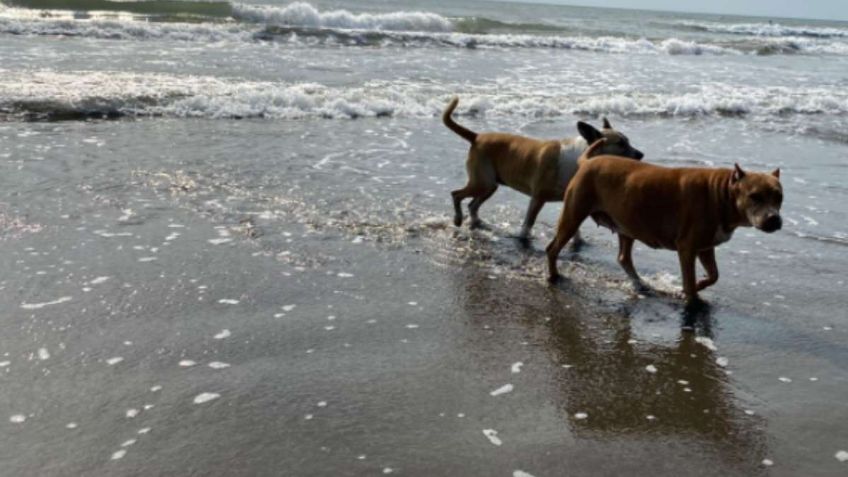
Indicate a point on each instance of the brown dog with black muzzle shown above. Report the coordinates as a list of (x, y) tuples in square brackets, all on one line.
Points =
[(690, 210), (540, 169)]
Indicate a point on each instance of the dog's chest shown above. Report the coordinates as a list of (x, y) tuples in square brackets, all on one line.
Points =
[(567, 162), (721, 236)]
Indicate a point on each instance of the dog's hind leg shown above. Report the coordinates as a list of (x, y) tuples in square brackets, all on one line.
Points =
[(533, 210), (707, 258), (475, 204), (458, 196), (625, 257)]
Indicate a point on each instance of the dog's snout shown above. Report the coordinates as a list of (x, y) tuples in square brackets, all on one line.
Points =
[(638, 154), (773, 223)]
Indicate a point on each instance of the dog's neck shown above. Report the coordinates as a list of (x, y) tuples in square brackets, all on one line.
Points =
[(731, 218)]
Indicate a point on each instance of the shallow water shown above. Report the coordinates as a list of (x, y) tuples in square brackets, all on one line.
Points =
[(284, 294)]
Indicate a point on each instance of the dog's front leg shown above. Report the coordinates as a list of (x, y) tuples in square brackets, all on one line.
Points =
[(707, 258), (533, 210), (687, 271)]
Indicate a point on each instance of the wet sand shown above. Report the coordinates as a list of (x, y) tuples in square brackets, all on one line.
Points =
[(212, 311)]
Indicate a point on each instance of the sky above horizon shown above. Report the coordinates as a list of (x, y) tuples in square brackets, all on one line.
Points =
[(819, 9)]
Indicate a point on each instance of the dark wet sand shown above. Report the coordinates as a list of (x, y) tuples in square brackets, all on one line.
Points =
[(386, 362)]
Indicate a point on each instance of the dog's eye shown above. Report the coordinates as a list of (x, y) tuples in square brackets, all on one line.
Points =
[(756, 197)]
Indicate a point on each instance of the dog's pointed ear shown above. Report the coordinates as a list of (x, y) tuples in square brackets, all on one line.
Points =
[(738, 174), (607, 124), (588, 132), (776, 173)]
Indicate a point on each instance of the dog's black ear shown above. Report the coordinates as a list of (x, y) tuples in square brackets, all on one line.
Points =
[(607, 124), (738, 174), (588, 132)]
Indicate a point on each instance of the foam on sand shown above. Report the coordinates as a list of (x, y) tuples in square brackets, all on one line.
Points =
[(205, 397), (706, 342), (506, 388), (492, 435), (36, 306)]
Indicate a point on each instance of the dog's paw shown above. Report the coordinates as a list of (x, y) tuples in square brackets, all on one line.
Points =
[(524, 240), (642, 288), (555, 278), (478, 225), (457, 220)]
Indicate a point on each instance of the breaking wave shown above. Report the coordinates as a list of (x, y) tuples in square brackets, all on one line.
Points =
[(305, 15), (301, 24), (55, 96)]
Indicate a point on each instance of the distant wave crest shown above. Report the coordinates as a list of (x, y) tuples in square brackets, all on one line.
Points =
[(302, 24), (765, 29), (305, 15)]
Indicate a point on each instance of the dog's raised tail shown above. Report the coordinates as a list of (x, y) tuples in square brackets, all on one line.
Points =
[(591, 151), (463, 132)]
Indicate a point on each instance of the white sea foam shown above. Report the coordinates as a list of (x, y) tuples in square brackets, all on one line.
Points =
[(23, 22), (706, 342), (506, 388), (225, 333), (210, 97)]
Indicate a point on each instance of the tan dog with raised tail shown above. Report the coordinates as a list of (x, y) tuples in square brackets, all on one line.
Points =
[(690, 210), (540, 169)]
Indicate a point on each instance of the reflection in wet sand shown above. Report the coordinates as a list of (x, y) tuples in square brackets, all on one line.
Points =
[(614, 387)]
